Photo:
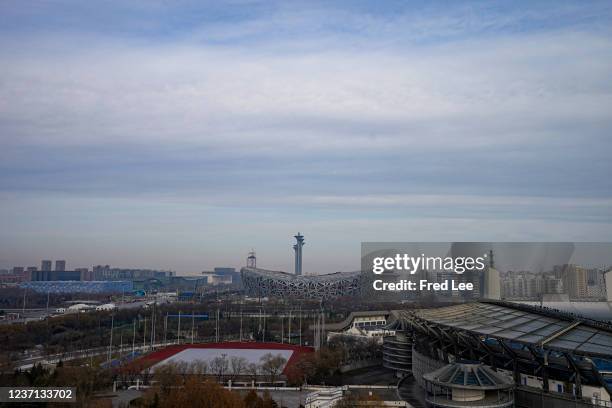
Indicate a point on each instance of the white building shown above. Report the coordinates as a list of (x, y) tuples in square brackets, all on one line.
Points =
[(79, 307), (108, 306), (326, 398), (492, 284), (608, 280)]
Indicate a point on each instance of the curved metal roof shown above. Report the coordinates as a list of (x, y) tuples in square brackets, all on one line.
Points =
[(523, 324)]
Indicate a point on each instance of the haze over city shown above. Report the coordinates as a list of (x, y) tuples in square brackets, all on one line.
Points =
[(152, 135)]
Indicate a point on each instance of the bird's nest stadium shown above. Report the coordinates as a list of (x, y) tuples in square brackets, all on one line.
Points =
[(266, 283)]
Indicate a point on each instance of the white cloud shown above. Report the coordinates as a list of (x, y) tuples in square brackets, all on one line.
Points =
[(492, 91)]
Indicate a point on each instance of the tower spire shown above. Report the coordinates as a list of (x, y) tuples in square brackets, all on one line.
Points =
[(297, 248)]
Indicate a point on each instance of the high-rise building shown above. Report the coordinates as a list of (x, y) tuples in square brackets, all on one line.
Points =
[(593, 276), (29, 272), (86, 274), (553, 285), (45, 265), (492, 282), (60, 265), (577, 281), (608, 281), (523, 285), (37, 276)]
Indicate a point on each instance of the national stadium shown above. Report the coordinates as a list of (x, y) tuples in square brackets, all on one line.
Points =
[(265, 283)]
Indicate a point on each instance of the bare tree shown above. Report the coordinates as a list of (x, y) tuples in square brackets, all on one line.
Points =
[(252, 370), (272, 365), (199, 367), (184, 369), (237, 366), (167, 377), (219, 366)]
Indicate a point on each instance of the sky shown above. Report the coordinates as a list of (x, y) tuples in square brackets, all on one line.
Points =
[(180, 135)]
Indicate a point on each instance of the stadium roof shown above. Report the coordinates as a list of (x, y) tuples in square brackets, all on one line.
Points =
[(292, 277), (523, 324)]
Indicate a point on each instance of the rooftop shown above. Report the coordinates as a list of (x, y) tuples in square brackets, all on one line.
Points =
[(522, 324)]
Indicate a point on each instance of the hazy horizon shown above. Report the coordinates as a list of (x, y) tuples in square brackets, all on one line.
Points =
[(181, 135)]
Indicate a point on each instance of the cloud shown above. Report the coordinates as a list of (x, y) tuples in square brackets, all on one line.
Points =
[(473, 111)]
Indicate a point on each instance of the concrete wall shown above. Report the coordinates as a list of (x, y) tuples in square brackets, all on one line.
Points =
[(359, 364), (525, 397), (422, 364)]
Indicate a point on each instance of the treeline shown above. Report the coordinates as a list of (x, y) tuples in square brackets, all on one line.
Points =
[(174, 390), (323, 366), (12, 298)]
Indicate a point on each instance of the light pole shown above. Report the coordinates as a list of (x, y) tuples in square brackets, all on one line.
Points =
[(110, 343), (134, 338)]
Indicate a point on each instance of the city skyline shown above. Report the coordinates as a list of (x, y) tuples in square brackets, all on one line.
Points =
[(181, 136)]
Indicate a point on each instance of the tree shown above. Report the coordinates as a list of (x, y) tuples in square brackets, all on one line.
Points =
[(238, 366), (252, 400), (303, 371), (219, 366), (199, 367), (197, 394), (272, 365), (167, 377), (252, 370), (268, 402)]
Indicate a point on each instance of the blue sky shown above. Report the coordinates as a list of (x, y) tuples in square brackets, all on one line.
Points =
[(182, 134)]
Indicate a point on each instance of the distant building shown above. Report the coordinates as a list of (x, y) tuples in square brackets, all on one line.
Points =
[(222, 275), (38, 276), (106, 307), (86, 274), (608, 281), (13, 278), (522, 285), (105, 272), (45, 265), (215, 279), (553, 285), (79, 307), (60, 265), (492, 285), (79, 286), (577, 281)]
